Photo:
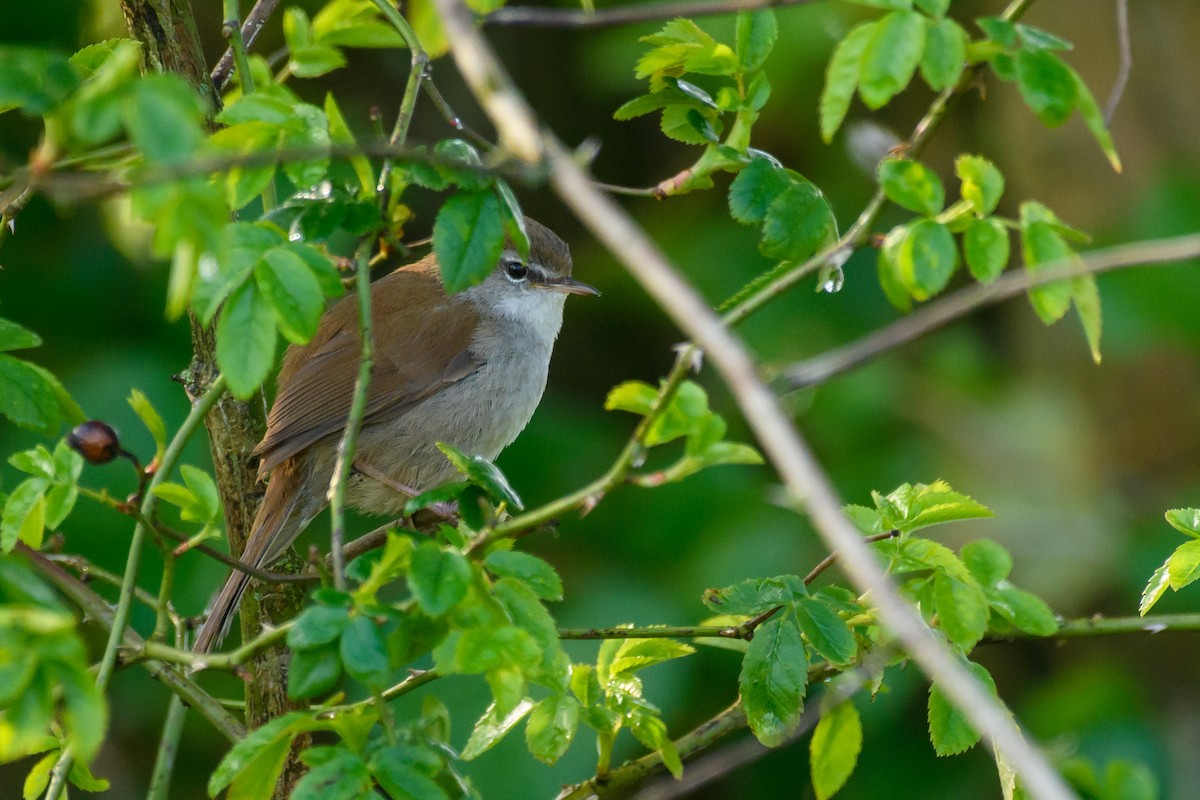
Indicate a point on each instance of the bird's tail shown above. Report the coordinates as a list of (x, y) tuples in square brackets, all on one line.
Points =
[(275, 526)]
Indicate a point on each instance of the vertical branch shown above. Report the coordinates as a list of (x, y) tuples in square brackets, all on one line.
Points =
[(416, 75), (800, 472), (232, 29), (358, 405), (168, 743)]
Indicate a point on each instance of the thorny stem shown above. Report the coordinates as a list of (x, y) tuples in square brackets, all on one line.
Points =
[(417, 73), (233, 30), (255, 20)]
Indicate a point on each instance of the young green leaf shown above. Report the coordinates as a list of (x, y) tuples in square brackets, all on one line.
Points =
[(1047, 84), (340, 134), (551, 727), (833, 751), (484, 474), (28, 395), (287, 283), (1042, 243), (826, 631), (926, 258), (1185, 520), (529, 569), (633, 396), (755, 188), (982, 183), (1093, 117), (253, 765), (246, 340), (945, 53), (1156, 587), (468, 236), (492, 727), (799, 222), (317, 626), (891, 56), (773, 679), (24, 517), (335, 774), (755, 595), (949, 731), (313, 672), (988, 562), (364, 653), (986, 249), (1183, 567), (164, 118), (15, 337), (1024, 610), (630, 655), (755, 35), (912, 185), (841, 78), (150, 417), (438, 578), (962, 610)]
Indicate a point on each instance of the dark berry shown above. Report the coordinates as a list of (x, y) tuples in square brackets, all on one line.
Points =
[(96, 441)]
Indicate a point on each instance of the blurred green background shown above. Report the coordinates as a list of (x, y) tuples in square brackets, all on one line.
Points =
[(1078, 461)]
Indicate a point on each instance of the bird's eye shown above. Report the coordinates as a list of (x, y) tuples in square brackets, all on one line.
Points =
[(516, 271)]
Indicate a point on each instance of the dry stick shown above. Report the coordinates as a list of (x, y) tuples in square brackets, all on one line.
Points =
[(806, 481), (1126, 65), (935, 315), (625, 15)]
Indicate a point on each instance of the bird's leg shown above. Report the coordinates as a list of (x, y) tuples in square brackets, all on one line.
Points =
[(445, 511)]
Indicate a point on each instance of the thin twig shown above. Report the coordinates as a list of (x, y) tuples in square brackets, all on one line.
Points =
[(255, 20), (418, 65), (941, 312), (1126, 64), (358, 407), (803, 476), (546, 17), (168, 743)]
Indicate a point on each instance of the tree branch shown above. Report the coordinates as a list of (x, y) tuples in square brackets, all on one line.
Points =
[(253, 23), (805, 480), (941, 312), (546, 17)]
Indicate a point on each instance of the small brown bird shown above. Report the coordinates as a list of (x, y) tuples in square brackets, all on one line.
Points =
[(467, 370)]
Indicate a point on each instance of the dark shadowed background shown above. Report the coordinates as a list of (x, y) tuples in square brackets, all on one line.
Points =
[(1078, 461)]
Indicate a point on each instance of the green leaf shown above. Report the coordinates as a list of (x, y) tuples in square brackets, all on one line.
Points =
[(150, 417), (468, 237), (912, 185), (949, 731), (14, 337), (982, 183), (1185, 520), (1024, 610), (251, 758), (888, 274), (83, 778), (34, 80), (293, 292), (986, 248), (1183, 567), (828, 633), (551, 727), (626, 656), (926, 258), (988, 562), (24, 517), (483, 474), (773, 679), (633, 396), (340, 134), (85, 712), (934, 8), (246, 340), (28, 397), (945, 53), (833, 751), (891, 56), (755, 35), (1093, 117), (690, 126), (962, 610), (343, 776), (1085, 296), (492, 727), (1042, 244), (1155, 588), (755, 595), (315, 60), (39, 776), (402, 780), (754, 189), (165, 118), (841, 77), (799, 222), (1048, 85), (365, 654), (313, 672), (530, 570), (317, 626), (999, 30), (438, 578)]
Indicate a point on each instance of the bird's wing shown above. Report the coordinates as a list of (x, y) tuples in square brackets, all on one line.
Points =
[(415, 356)]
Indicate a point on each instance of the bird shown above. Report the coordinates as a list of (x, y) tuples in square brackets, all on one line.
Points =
[(467, 369)]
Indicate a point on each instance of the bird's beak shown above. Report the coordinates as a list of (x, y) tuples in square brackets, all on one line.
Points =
[(570, 286)]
